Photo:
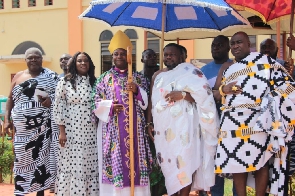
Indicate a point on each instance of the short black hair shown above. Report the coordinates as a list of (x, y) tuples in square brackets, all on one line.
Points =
[(273, 41), (222, 37), (183, 49), (174, 45), (146, 50)]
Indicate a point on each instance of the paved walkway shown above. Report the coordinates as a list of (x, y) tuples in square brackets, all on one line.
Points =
[(7, 190)]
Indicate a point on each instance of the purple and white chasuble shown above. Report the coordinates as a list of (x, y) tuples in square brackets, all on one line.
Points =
[(113, 134)]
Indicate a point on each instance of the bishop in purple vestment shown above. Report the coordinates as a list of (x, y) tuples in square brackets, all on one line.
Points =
[(110, 106)]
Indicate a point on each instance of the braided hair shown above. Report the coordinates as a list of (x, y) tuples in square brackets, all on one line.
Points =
[(73, 74)]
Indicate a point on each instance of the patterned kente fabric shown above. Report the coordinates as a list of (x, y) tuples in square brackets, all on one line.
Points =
[(110, 87), (269, 10), (33, 135), (256, 124)]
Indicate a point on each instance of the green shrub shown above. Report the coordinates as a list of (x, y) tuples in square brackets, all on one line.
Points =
[(292, 181), (6, 157), (250, 191)]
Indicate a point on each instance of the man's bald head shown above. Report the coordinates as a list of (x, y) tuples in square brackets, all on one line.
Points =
[(63, 61), (242, 33), (240, 45), (269, 47)]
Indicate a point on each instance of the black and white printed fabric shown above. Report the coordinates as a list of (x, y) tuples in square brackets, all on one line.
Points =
[(35, 141)]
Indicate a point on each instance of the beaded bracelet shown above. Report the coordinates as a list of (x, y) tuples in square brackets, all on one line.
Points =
[(148, 124)]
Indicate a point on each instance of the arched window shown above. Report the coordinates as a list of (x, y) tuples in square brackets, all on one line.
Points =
[(281, 47), (106, 35), (131, 33), (22, 47), (106, 57)]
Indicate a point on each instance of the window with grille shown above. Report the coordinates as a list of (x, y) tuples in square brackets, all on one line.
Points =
[(1, 4), (133, 55), (131, 33), (15, 3), (281, 47), (32, 3), (253, 43), (153, 42), (48, 2), (106, 57)]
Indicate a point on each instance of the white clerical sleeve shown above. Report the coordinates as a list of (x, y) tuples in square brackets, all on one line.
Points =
[(60, 103), (142, 98), (103, 109)]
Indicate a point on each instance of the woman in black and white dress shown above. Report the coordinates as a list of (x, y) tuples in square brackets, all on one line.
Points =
[(78, 161)]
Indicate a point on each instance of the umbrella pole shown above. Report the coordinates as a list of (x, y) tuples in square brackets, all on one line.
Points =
[(163, 29), (291, 33), (131, 152), (291, 63), (145, 40), (284, 45), (278, 24)]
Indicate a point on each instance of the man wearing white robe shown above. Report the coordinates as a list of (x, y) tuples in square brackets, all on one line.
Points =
[(185, 124)]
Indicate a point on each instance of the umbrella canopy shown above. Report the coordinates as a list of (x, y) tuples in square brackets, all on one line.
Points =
[(170, 16), (219, 4), (186, 35), (178, 17), (268, 10)]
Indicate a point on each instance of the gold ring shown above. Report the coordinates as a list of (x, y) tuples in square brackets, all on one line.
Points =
[(169, 98), (234, 88), (131, 87)]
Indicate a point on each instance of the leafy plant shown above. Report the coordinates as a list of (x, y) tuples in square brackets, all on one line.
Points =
[(250, 191), (6, 157), (292, 181)]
